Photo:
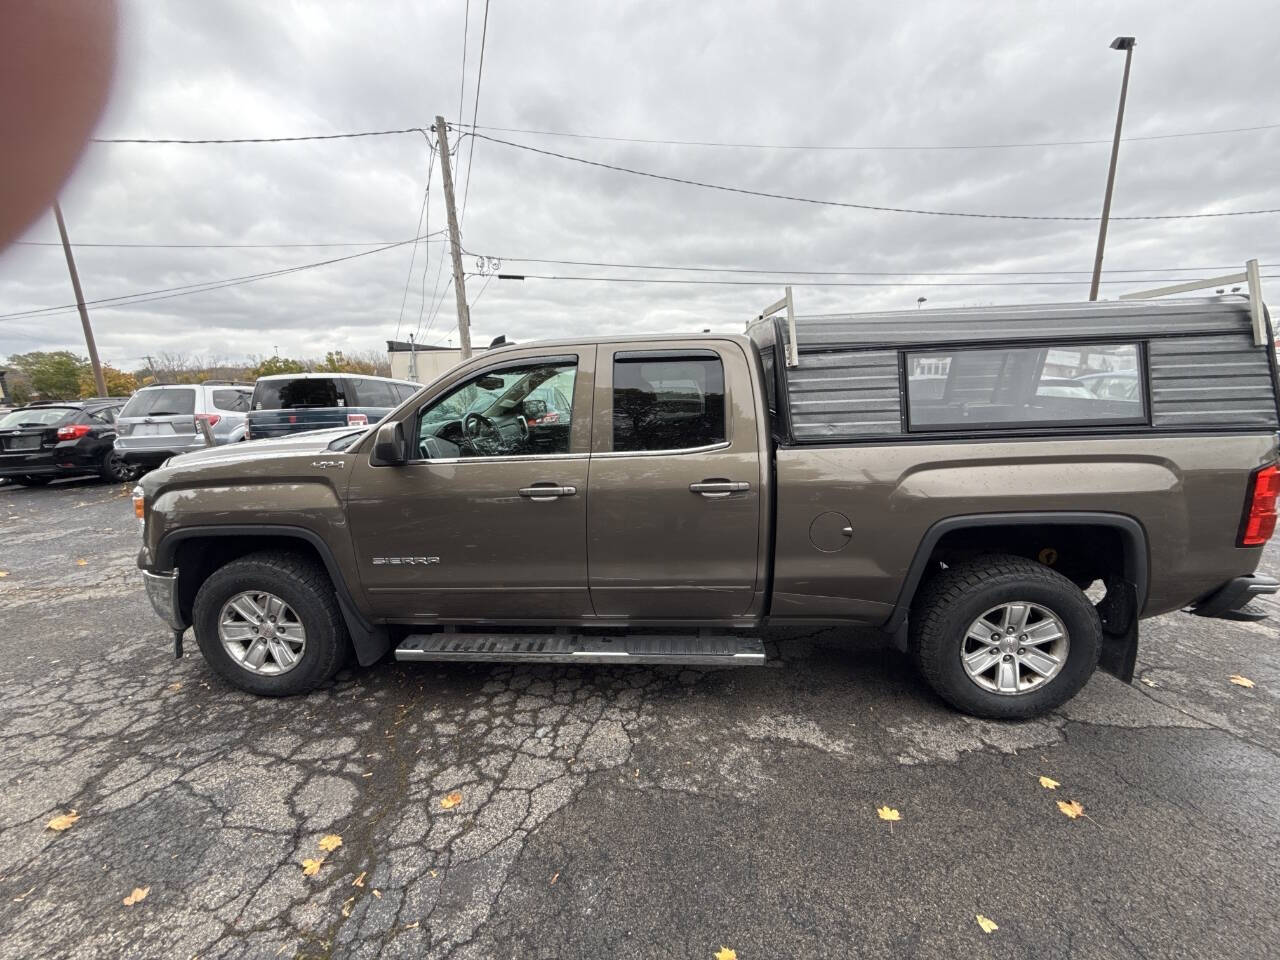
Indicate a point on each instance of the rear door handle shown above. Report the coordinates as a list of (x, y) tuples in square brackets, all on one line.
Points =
[(715, 489), (547, 491)]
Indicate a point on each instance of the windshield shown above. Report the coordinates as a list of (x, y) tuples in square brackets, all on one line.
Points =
[(302, 392), (161, 402), (36, 417)]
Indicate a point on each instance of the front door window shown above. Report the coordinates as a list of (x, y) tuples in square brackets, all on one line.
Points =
[(515, 411)]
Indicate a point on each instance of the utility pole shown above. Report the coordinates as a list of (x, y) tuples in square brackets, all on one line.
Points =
[(99, 381), (1126, 44), (459, 284)]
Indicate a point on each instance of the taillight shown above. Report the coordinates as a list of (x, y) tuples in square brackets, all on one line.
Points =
[(210, 418), (139, 502), (73, 431), (357, 420), (1260, 507)]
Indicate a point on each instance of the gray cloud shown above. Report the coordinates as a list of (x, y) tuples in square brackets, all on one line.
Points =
[(919, 73)]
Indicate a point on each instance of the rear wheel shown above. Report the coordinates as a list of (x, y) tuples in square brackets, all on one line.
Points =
[(269, 624), (116, 470), (1004, 637)]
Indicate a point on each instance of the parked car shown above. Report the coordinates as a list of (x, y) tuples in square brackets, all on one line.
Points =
[(44, 441), (285, 403), (698, 486), (162, 421)]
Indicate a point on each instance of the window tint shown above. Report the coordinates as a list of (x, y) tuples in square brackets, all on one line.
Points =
[(235, 400), (668, 404), (302, 392), (37, 417), (105, 415), (404, 390), (370, 393), (1020, 386), (161, 402), (514, 411)]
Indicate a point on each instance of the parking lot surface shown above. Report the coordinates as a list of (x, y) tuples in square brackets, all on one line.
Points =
[(595, 812)]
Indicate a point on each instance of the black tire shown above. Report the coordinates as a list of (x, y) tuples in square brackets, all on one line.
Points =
[(32, 481), (301, 583), (954, 598), (114, 469)]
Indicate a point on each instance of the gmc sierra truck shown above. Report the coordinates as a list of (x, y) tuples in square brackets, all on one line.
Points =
[(1004, 492)]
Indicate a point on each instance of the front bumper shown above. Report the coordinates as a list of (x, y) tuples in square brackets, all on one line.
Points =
[(162, 591), (1230, 601)]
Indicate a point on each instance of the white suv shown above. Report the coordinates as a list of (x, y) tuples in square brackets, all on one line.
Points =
[(161, 421)]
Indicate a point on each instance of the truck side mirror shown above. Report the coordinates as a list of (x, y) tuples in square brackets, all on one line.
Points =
[(390, 448)]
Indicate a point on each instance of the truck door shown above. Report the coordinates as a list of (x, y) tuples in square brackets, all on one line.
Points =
[(673, 512), (488, 520)]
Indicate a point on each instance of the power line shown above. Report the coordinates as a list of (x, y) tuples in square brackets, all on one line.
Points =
[(799, 146), (316, 136), (878, 208), (166, 293), (462, 77), (859, 273), (475, 112), (426, 197), (225, 246), (843, 283)]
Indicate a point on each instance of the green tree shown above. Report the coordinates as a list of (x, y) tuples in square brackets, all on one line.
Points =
[(53, 375), (119, 383), (335, 361), (270, 365)]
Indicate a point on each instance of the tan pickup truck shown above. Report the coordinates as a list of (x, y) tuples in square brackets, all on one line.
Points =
[(1003, 492)]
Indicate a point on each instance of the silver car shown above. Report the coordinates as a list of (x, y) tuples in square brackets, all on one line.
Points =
[(162, 421)]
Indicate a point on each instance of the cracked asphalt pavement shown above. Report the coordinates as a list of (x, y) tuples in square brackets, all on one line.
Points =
[(608, 811)]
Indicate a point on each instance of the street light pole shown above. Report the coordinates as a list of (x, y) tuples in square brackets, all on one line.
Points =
[(1126, 44)]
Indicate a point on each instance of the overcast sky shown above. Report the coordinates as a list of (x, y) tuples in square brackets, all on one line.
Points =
[(904, 74)]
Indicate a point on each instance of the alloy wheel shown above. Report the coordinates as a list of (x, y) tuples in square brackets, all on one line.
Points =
[(261, 633), (1015, 648)]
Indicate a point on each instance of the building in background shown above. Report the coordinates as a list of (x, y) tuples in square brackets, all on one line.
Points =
[(420, 362)]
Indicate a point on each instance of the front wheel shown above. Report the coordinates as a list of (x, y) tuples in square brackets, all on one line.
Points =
[(1004, 637), (268, 623)]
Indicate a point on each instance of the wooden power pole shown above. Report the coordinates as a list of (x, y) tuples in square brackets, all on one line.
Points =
[(98, 379), (459, 284)]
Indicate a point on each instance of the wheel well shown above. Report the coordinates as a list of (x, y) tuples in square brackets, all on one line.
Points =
[(197, 558), (1082, 553)]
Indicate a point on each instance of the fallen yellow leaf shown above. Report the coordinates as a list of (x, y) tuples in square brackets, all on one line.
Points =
[(1240, 681), (451, 801), (378, 894), (139, 894), (1150, 683), (63, 821), (359, 881), (330, 842), (3, 574), (987, 924), (1073, 809), (888, 813), (347, 905), (81, 562), (1049, 783), (311, 867), (725, 953)]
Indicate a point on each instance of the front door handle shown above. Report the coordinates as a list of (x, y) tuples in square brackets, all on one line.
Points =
[(715, 489), (547, 491)]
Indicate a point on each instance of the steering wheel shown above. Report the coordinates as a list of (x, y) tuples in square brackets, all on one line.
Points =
[(476, 426)]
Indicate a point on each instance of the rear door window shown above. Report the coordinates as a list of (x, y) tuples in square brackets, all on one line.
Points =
[(234, 400), (161, 402), (667, 403), (302, 392)]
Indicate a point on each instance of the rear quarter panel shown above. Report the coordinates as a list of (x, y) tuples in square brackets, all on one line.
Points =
[(1187, 492)]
